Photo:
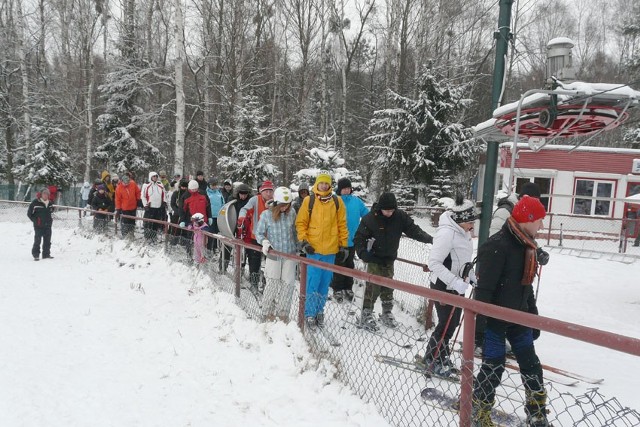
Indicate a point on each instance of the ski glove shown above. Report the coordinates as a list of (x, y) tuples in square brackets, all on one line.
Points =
[(210, 221), (182, 225), (343, 254), (307, 248), (542, 256), (266, 245), (459, 285)]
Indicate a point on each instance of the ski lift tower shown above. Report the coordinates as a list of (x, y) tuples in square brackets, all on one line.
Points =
[(565, 108)]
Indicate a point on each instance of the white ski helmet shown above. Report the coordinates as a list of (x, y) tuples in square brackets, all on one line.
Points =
[(282, 195), (198, 218), (193, 185)]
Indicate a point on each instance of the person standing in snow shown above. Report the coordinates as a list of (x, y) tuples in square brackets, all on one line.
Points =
[(506, 269), (303, 191), (276, 229), (202, 183), (376, 242), (101, 203), (177, 200), (155, 207), (127, 199), (242, 196), (195, 202), (342, 285), (216, 199), (197, 226), (84, 194), (500, 216), (39, 212), (248, 218), (106, 180), (227, 190), (93, 190), (450, 264), (322, 231)]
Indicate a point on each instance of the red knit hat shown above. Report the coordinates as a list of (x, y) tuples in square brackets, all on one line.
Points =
[(528, 209), (266, 185)]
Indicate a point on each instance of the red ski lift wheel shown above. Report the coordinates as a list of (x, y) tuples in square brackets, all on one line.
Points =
[(571, 120)]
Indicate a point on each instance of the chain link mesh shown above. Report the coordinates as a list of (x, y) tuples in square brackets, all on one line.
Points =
[(380, 366)]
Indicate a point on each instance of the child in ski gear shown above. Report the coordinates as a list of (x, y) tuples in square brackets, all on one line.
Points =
[(197, 226), (322, 233), (376, 243), (155, 207), (507, 266), (39, 212), (451, 253), (100, 203), (342, 285), (127, 199), (276, 229), (248, 218)]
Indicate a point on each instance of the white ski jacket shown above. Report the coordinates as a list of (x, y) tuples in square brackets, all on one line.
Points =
[(451, 239), (152, 194)]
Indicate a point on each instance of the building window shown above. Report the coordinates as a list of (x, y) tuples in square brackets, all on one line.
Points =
[(591, 189)]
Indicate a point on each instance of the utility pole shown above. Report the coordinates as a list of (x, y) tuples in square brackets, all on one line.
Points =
[(502, 36)]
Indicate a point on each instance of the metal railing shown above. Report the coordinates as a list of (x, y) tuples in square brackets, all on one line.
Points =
[(378, 366)]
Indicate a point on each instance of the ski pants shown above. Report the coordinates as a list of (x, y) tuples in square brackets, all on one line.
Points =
[(255, 261), (42, 234), (494, 357), (318, 281), (278, 292), (443, 331), (373, 291), (151, 228), (128, 225), (340, 282)]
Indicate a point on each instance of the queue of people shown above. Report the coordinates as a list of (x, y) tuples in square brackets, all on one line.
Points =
[(333, 228)]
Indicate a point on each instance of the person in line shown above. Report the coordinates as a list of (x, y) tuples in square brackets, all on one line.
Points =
[(127, 200), (164, 180), (101, 203), (276, 229), (242, 193), (195, 203), (500, 216), (506, 270), (155, 207), (450, 261), (106, 180), (93, 190), (39, 212), (227, 190), (216, 199), (202, 183), (376, 242), (248, 218), (303, 191), (177, 200), (343, 285), (176, 179), (197, 226), (321, 225)]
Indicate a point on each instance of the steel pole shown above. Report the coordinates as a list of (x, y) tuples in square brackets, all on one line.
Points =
[(502, 36)]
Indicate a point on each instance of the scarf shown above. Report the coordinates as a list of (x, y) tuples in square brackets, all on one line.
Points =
[(530, 261)]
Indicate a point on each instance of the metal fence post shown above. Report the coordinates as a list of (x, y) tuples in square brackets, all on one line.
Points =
[(237, 274), (303, 294), (466, 376)]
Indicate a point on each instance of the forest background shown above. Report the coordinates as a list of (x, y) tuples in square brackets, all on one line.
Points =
[(246, 89)]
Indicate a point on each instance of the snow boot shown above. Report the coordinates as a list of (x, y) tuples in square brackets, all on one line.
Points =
[(320, 320), (386, 317), (536, 408), (367, 320), (481, 414), (310, 323)]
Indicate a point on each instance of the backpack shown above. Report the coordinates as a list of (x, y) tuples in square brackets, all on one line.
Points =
[(312, 200)]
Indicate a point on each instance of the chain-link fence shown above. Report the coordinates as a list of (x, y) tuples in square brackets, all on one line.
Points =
[(384, 366)]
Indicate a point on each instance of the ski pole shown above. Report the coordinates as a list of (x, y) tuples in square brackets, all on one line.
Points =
[(446, 326), (455, 338), (538, 284)]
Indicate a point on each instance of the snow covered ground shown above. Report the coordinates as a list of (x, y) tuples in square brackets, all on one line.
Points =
[(101, 336)]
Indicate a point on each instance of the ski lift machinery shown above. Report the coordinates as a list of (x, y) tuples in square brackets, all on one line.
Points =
[(569, 109)]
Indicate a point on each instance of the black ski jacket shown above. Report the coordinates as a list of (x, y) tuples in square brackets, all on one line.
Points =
[(387, 233), (499, 270), (40, 214)]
